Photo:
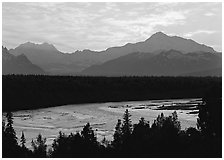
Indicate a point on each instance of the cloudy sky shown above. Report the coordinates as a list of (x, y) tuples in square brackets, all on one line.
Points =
[(97, 26)]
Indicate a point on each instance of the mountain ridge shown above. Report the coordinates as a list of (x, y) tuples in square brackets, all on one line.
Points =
[(166, 63), (18, 64), (54, 61), (157, 35)]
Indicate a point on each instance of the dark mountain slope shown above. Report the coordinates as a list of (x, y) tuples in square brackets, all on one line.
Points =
[(166, 63), (18, 64)]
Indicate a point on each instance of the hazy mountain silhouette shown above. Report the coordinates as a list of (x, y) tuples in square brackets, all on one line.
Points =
[(44, 55), (55, 62), (160, 42), (18, 64), (165, 63)]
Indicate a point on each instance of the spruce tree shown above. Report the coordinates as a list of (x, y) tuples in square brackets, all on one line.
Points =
[(89, 141), (126, 126), (59, 145), (117, 135), (126, 132), (141, 129), (39, 147), (88, 134), (23, 141), (9, 130), (175, 121), (9, 139)]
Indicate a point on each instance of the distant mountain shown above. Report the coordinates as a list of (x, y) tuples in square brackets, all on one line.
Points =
[(55, 62), (160, 42), (165, 63), (44, 55), (18, 64)]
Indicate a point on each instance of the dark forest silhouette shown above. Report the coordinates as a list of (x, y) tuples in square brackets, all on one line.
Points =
[(163, 138), (34, 91)]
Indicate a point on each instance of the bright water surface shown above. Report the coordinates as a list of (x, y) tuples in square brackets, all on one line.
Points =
[(102, 117)]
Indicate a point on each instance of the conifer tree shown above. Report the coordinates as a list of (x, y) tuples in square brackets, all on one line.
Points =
[(88, 134), (117, 134), (9, 130), (141, 129), (59, 145), (39, 147), (23, 141), (175, 121), (126, 126)]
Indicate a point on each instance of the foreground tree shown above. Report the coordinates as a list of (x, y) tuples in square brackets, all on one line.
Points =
[(209, 122), (117, 141), (89, 140), (126, 126), (141, 137), (142, 128), (88, 134), (23, 140), (39, 147), (9, 130), (9, 139), (164, 136), (24, 151), (59, 146), (209, 118)]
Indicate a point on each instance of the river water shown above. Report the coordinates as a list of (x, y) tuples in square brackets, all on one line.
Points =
[(101, 116)]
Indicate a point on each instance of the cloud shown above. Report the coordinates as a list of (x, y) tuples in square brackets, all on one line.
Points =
[(191, 34), (209, 14), (144, 25), (101, 25)]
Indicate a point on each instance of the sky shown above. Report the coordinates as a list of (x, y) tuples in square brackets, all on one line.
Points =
[(97, 26)]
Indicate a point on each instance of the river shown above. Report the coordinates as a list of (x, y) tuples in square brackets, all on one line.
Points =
[(102, 117)]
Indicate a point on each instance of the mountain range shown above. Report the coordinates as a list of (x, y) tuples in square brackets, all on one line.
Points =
[(159, 55), (165, 63), (18, 64)]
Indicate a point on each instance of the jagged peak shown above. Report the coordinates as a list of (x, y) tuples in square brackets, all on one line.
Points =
[(166, 42), (27, 44), (44, 45), (158, 35), (4, 48), (84, 51), (48, 45)]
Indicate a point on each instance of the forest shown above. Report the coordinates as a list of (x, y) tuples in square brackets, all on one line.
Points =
[(20, 92), (161, 138)]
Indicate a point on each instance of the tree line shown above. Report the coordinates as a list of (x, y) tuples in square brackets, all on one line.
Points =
[(35, 91), (162, 138)]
